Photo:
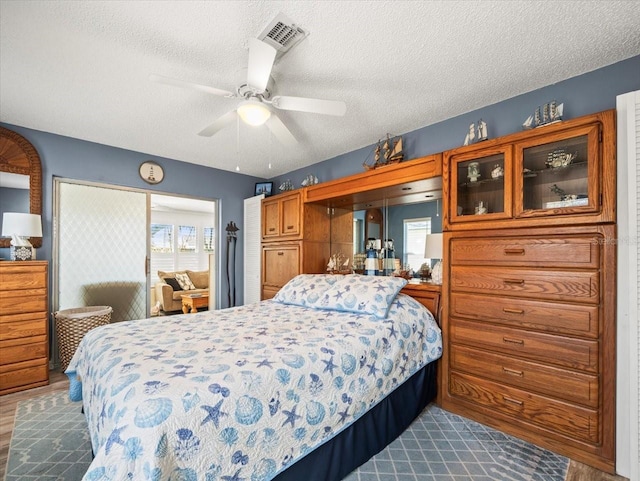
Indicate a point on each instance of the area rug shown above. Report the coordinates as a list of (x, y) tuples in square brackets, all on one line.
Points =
[(50, 442)]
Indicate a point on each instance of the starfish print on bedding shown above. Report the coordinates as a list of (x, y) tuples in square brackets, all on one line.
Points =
[(329, 365), (372, 369), (344, 415), (392, 332), (214, 413), (114, 438), (291, 416), (265, 363)]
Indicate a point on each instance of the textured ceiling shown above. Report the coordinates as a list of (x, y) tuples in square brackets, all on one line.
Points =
[(80, 68)]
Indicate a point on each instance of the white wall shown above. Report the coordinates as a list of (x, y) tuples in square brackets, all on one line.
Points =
[(628, 288)]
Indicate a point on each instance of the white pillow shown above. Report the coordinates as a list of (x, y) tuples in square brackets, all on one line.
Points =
[(362, 294), (305, 289), (185, 282)]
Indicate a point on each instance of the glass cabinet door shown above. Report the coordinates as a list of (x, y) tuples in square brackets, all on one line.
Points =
[(481, 185), (558, 174)]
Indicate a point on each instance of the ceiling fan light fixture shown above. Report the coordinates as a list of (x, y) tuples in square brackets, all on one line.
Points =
[(253, 112)]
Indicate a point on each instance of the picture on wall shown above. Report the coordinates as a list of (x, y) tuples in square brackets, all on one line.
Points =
[(265, 188)]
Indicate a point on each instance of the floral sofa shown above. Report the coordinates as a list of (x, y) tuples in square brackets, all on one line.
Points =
[(174, 284)]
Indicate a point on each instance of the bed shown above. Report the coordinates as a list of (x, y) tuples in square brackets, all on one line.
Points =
[(308, 385)]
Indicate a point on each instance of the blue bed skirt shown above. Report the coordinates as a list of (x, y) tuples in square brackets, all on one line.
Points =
[(369, 435)]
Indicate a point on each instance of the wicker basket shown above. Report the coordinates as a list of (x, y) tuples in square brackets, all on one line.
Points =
[(73, 324)]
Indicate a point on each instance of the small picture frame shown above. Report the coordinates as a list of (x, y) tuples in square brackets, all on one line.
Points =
[(265, 188), (151, 172)]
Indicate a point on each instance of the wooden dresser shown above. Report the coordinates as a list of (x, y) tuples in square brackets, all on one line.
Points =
[(529, 298), (24, 325)]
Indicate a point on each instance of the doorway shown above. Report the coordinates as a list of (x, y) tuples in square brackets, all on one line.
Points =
[(102, 240)]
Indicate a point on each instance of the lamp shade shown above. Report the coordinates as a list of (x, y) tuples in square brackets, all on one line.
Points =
[(433, 246), (21, 225), (253, 112)]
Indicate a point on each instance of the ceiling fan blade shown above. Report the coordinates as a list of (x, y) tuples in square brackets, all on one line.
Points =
[(281, 131), (181, 83), (317, 106), (219, 124), (261, 58)]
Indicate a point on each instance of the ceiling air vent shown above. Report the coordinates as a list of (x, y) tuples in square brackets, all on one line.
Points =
[(282, 34)]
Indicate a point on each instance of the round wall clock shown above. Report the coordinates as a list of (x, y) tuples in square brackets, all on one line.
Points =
[(151, 172)]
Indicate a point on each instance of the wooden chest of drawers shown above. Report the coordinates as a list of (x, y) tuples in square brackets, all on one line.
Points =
[(531, 336), (24, 325)]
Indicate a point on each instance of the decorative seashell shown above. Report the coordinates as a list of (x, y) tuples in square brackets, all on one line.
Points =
[(432, 335), (350, 300), (189, 401), (248, 410), (110, 365), (152, 412), (229, 436), (316, 384), (387, 366), (162, 448), (293, 360), (123, 382), (265, 469), (283, 376), (187, 445), (185, 354), (405, 330), (215, 369), (315, 413), (348, 364)]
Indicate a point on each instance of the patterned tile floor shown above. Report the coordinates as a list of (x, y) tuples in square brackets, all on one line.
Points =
[(440, 446)]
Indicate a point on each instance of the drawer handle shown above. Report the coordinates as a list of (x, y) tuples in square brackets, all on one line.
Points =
[(514, 281), (514, 251), (280, 253), (508, 340), (509, 310), (512, 401), (289, 227), (271, 229), (513, 372)]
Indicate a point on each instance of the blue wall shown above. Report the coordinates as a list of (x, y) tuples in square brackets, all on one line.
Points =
[(586, 94), (76, 159), (71, 158)]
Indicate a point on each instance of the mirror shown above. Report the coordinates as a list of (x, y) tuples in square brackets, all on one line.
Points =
[(21, 163), (373, 226), (410, 220)]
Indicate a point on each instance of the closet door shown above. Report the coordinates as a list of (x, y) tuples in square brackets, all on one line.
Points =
[(101, 249), (252, 248)]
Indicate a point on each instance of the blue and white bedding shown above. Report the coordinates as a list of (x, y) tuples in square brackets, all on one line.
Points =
[(243, 392)]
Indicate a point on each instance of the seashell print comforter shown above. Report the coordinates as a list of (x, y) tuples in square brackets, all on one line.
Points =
[(239, 393)]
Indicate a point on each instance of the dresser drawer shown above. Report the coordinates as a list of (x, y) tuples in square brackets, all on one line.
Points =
[(23, 325), (560, 252), (20, 277), (18, 302), (561, 383), (18, 350), (550, 349), (556, 317), (562, 417), (579, 286), (24, 375)]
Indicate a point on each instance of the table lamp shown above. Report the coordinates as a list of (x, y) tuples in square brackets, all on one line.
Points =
[(20, 227), (433, 250)]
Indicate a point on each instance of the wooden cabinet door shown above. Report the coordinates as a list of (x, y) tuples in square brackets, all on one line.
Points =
[(270, 219), (280, 264), (290, 208)]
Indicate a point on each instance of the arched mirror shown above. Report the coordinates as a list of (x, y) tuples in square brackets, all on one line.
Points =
[(20, 168)]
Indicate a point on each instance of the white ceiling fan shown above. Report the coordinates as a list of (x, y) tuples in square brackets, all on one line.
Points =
[(257, 105)]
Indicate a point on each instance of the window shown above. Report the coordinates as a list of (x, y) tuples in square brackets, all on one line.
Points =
[(161, 238), (208, 239), (187, 238), (415, 235)]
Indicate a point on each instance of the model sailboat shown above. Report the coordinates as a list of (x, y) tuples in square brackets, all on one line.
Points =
[(387, 151)]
